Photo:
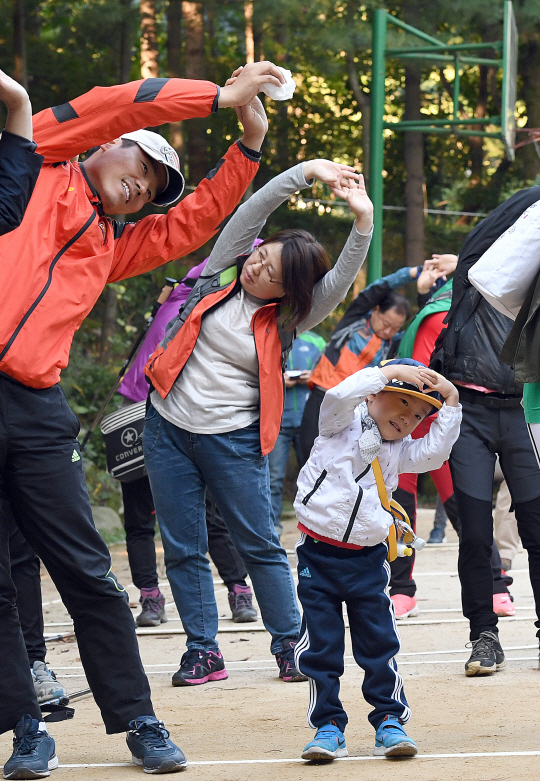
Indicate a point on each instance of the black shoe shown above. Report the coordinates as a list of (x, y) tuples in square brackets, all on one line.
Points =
[(151, 747), (198, 666), (241, 604), (487, 655), (33, 752), (285, 661), (153, 611)]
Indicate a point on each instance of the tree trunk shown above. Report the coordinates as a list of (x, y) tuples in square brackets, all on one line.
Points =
[(108, 324), (414, 167), (195, 69), (529, 69), (126, 43), (476, 143), (19, 43), (250, 41), (149, 47), (364, 104), (174, 67)]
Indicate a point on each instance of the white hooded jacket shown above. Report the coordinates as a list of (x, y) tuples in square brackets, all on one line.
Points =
[(337, 494)]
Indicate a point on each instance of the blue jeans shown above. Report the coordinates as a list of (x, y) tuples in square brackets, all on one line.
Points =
[(277, 462), (180, 465)]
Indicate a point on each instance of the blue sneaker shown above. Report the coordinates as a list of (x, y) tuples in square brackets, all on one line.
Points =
[(33, 752), (391, 740), (328, 744), (150, 747)]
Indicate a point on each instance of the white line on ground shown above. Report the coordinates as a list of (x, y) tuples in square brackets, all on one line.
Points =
[(272, 661), (470, 755), (174, 667)]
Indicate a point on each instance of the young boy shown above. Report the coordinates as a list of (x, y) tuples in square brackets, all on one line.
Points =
[(342, 555)]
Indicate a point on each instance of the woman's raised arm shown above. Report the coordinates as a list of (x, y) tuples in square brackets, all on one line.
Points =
[(334, 286)]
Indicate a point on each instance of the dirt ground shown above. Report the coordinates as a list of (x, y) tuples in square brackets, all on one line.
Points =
[(253, 726)]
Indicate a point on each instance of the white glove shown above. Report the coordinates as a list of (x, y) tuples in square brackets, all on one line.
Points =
[(285, 91)]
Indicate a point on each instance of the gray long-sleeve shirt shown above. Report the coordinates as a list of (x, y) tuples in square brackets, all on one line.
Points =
[(218, 389)]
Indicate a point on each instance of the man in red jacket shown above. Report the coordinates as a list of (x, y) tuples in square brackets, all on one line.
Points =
[(52, 271)]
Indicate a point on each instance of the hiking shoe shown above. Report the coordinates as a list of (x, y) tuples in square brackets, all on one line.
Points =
[(328, 744), (391, 740), (436, 537), (198, 666), (487, 655), (404, 606), (150, 747), (241, 604), (45, 683), (503, 605), (33, 752), (153, 611), (285, 661)]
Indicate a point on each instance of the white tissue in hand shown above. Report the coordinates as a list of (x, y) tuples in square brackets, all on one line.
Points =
[(284, 91)]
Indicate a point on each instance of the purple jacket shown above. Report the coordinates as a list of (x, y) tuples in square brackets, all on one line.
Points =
[(134, 385)]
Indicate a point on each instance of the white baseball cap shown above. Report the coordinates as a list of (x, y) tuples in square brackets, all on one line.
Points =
[(158, 149)]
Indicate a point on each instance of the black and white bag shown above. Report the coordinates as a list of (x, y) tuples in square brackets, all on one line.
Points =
[(122, 432)]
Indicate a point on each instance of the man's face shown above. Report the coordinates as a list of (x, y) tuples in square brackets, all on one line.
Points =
[(397, 414), (125, 177), (386, 324)]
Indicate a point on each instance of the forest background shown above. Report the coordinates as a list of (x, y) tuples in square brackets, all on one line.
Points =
[(60, 49)]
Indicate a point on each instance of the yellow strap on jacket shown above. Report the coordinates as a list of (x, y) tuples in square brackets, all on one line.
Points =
[(395, 509)]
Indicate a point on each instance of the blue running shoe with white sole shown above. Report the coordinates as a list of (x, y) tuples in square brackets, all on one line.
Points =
[(328, 744), (391, 740), (151, 748), (33, 752)]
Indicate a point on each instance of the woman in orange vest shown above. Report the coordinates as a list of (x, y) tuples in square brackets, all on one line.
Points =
[(216, 410)]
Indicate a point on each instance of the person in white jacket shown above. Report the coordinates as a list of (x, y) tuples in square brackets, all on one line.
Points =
[(342, 553)]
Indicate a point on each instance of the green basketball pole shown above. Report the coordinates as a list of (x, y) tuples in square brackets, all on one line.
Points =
[(436, 50), (377, 142)]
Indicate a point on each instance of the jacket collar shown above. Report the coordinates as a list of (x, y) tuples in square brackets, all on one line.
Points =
[(91, 191)]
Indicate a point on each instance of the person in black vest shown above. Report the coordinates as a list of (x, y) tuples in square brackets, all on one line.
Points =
[(467, 353)]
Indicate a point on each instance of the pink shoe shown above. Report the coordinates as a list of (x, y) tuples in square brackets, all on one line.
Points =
[(404, 606), (503, 605)]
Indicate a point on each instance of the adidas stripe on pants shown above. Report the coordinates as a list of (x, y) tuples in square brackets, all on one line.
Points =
[(329, 576)]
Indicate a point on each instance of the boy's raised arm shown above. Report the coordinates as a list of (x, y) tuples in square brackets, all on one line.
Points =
[(340, 402)]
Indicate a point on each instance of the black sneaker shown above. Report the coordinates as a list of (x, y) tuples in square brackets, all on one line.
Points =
[(153, 611), (487, 655), (151, 748), (285, 661), (198, 666), (33, 752), (241, 604)]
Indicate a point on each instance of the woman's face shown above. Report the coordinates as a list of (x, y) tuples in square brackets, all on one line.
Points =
[(261, 276)]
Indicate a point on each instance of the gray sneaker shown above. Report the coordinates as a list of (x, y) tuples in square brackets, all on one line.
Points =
[(153, 611), (45, 683)]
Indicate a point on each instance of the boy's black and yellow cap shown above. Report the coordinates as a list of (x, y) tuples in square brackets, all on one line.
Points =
[(433, 397)]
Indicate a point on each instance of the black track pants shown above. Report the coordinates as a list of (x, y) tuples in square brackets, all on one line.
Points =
[(486, 432), (25, 567), (42, 480)]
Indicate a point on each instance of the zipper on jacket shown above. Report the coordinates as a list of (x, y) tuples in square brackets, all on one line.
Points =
[(353, 514), (48, 282), (362, 474), (318, 483)]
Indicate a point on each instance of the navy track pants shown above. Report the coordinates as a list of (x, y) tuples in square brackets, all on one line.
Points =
[(329, 576)]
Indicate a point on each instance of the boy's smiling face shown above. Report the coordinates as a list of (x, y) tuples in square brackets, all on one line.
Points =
[(397, 414)]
